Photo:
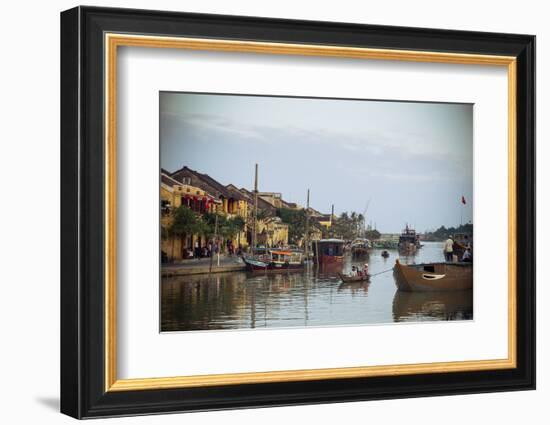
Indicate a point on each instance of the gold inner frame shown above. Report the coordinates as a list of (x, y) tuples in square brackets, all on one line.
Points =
[(113, 41)]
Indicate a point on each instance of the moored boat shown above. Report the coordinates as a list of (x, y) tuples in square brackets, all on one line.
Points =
[(433, 276), (360, 247), (328, 251), (409, 240), (276, 260)]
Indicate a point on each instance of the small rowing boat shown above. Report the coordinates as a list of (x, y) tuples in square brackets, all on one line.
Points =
[(433, 276), (359, 278)]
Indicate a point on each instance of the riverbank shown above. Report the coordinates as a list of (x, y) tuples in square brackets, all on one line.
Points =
[(202, 266)]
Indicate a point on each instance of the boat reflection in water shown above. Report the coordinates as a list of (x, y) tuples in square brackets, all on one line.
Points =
[(310, 297), (414, 306), (354, 287)]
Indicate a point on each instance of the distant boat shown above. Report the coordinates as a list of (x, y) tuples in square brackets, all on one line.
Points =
[(433, 276), (329, 251), (409, 240), (358, 278), (385, 254), (276, 260), (360, 247)]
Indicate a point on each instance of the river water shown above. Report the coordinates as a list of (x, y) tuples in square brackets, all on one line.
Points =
[(241, 300)]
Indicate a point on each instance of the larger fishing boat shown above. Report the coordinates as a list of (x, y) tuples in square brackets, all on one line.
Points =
[(276, 260), (360, 247), (409, 240), (433, 276), (328, 251)]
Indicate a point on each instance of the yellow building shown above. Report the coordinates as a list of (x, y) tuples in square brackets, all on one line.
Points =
[(201, 194), (173, 194), (272, 232)]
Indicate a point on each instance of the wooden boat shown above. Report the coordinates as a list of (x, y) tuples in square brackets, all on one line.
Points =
[(433, 276), (358, 278), (328, 251), (409, 240), (360, 247), (276, 260)]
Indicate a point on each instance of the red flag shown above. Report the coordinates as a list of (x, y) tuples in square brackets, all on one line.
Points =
[(463, 200)]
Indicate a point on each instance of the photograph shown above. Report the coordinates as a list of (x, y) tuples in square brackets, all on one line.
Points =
[(286, 212)]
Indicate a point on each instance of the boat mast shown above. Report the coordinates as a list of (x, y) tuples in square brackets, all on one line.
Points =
[(255, 207), (365, 218), (331, 232)]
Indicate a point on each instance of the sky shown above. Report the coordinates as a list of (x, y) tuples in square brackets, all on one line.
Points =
[(410, 162)]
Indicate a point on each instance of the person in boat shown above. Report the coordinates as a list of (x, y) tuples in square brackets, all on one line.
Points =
[(467, 256), (448, 249), (365, 270), (353, 271)]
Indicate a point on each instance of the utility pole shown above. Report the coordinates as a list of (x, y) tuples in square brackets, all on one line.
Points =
[(307, 228), (331, 230), (255, 208), (215, 243)]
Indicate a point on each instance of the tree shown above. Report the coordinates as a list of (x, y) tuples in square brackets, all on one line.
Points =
[(296, 221), (348, 226), (372, 234), (228, 227), (443, 232), (185, 222)]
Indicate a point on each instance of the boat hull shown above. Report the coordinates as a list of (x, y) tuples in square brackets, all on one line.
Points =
[(359, 252), (331, 259), (348, 279), (433, 277), (260, 266)]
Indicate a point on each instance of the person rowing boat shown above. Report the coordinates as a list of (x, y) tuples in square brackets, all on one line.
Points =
[(356, 275)]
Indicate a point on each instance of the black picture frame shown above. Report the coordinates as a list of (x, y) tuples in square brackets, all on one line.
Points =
[(83, 392)]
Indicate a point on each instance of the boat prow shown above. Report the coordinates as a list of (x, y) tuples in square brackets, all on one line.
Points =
[(433, 277)]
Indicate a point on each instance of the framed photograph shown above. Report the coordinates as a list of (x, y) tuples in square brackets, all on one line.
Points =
[(261, 212)]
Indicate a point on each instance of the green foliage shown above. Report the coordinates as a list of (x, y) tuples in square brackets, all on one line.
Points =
[(185, 222), (372, 235), (296, 221), (347, 226), (443, 232), (228, 227)]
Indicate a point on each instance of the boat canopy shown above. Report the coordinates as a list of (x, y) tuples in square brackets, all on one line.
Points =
[(330, 241), (282, 252)]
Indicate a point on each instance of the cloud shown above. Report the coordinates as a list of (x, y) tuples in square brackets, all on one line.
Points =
[(373, 142)]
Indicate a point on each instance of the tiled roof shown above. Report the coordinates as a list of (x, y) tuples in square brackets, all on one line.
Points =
[(262, 203)]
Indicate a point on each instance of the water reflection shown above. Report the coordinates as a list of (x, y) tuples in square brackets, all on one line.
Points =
[(414, 306), (240, 300)]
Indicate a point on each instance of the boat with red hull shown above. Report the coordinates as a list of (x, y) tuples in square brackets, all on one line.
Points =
[(329, 251)]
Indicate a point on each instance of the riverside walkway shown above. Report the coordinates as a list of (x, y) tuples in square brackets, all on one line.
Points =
[(202, 265)]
